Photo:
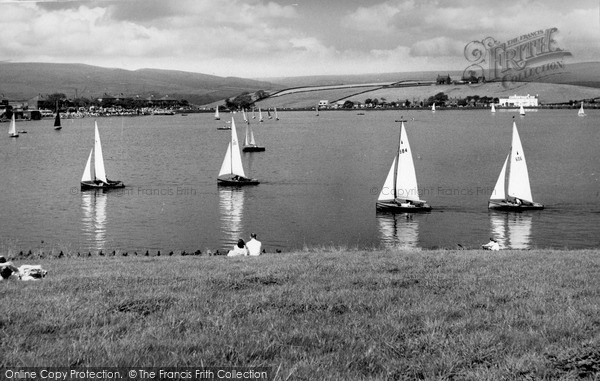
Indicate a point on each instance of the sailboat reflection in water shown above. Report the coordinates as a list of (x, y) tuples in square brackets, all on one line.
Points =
[(231, 212), (511, 230), (398, 230), (93, 205)]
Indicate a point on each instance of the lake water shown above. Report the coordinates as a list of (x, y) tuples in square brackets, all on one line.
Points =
[(320, 177)]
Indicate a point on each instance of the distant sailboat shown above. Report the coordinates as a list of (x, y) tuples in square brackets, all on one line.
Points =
[(521, 111), (253, 114), (217, 116), (581, 112), (99, 179), (433, 107), (317, 109), (400, 192), (260, 117), (493, 108), (232, 170), (517, 195), (12, 128), (57, 125), (249, 142), (276, 117), (269, 114)]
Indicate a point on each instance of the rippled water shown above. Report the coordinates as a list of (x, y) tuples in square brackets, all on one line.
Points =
[(320, 177)]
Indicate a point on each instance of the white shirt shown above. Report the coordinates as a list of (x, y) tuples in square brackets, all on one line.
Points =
[(254, 246), (238, 251)]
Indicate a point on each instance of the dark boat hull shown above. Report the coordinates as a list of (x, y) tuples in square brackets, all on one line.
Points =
[(253, 149), (112, 184), (241, 181), (512, 207), (58, 128), (395, 207)]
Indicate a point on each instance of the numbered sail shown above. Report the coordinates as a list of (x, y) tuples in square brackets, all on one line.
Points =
[(87, 172), (499, 193), (518, 176), (98, 158), (406, 177)]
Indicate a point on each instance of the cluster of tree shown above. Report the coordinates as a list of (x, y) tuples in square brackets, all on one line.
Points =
[(245, 100), (60, 100)]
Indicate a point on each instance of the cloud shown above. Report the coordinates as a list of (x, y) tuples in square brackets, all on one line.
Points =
[(437, 47)]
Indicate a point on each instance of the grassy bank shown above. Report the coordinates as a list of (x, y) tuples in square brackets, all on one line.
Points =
[(377, 315)]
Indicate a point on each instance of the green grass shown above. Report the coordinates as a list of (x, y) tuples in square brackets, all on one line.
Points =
[(317, 314)]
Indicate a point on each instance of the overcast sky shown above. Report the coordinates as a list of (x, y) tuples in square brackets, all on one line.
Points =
[(261, 38)]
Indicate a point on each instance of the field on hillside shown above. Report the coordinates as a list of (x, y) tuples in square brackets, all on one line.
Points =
[(316, 315)]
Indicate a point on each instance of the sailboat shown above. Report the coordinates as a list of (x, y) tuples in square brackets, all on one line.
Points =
[(232, 170), (249, 142), (12, 128), (521, 111), (493, 108), (518, 190), (99, 179), (260, 117), (57, 125), (276, 117), (217, 117), (269, 114), (581, 112), (253, 113), (433, 107), (317, 108), (400, 192)]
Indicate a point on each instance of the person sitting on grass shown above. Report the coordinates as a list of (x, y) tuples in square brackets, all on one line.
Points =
[(253, 245), (239, 249), (492, 245), (7, 268)]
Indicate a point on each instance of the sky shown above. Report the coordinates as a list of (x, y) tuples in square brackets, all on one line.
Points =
[(283, 38)]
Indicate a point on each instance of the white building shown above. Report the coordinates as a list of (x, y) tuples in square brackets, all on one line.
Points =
[(519, 100), (323, 103)]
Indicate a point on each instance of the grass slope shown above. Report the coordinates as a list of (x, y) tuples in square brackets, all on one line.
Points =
[(361, 315)]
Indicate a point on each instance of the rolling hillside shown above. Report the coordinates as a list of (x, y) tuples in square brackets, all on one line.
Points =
[(26, 80)]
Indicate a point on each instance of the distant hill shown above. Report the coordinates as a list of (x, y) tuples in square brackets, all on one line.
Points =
[(25, 80), (581, 74)]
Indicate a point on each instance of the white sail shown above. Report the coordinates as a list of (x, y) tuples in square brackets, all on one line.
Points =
[(387, 191), (253, 114), (406, 177), (317, 108), (581, 112), (244, 115), (12, 128), (217, 117), (87, 172), (518, 177), (493, 108), (232, 164), (276, 117), (98, 159), (433, 107), (499, 193), (260, 117), (521, 110)]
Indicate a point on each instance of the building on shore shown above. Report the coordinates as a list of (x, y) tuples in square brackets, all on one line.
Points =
[(519, 100)]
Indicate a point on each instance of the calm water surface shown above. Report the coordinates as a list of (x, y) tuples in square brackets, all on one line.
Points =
[(320, 177)]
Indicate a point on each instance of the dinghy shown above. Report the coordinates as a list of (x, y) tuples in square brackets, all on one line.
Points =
[(581, 112), (400, 192), (217, 117), (12, 128), (513, 192), (521, 111), (249, 141), (232, 170), (57, 125), (99, 179), (493, 108)]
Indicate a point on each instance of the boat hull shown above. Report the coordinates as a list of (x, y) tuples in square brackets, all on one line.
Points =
[(394, 206), (253, 149), (14, 135), (112, 184), (237, 182), (58, 128), (512, 207)]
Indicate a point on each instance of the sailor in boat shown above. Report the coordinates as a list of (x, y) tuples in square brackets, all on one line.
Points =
[(492, 245)]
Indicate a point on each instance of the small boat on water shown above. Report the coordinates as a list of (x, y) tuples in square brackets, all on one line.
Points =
[(400, 192), (249, 141), (12, 128), (232, 170), (57, 125), (513, 193), (217, 117), (581, 112), (433, 107), (521, 111), (260, 117), (276, 116), (98, 180), (493, 108)]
